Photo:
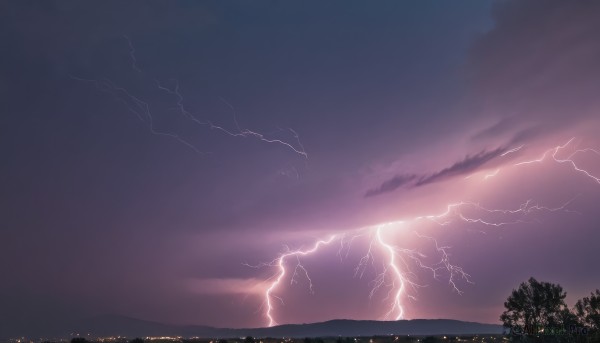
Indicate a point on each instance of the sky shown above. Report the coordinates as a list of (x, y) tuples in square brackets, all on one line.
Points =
[(164, 160)]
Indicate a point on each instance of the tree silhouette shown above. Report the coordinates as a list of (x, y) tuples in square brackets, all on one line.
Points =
[(79, 340), (249, 339), (137, 340), (588, 311), (535, 305)]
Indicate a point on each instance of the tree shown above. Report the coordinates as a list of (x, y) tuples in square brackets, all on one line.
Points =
[(535, 305), (568, 319), (249, 339), (588, 311), (79, 340)]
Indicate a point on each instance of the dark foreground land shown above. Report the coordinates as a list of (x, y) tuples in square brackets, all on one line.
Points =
[(361, 339), (115, 329)]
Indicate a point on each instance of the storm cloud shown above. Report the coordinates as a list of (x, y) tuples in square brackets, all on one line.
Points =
[(465, 166), (100, 215)]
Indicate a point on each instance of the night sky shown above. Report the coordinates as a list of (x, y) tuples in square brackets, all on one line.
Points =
[(159, 156)]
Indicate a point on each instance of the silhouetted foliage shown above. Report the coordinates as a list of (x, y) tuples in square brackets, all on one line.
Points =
[(79, 340), (588, 311), (535, 305), (137, 340), (429, 339), (568, 319), (222, 340), (249, 339)]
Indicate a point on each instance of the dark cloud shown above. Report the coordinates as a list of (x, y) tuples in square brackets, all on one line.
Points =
[(391, 184), (467, 165)]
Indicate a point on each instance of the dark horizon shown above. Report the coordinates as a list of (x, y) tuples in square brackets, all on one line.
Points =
[(113, 326), (247, 164)]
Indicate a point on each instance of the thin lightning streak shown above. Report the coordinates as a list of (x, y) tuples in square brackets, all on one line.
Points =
[(347, 245), (142, 110), (524, 209), (138, 107), (487, 176), (513, 150), (241, 132), (132, 54), (572, 163), (362, 264), (249, 133), (445, 261), (553, 153)]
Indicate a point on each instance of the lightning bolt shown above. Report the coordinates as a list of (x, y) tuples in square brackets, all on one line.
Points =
[(553, 152), (397, 274), (280, 262)]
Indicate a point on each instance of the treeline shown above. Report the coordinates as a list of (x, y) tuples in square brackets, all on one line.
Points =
[(536, 311)]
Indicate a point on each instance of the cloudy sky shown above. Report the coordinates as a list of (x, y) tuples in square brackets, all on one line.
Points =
[(158, 157)]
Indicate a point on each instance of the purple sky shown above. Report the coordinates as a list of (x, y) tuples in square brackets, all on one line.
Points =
[(401, 108)]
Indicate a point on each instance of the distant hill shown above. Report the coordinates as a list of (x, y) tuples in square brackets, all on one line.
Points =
[(130, 327), (371, 328)]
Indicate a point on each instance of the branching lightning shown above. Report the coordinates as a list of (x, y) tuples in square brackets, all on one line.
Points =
[(141, 109), (397, 273), (553, 152), (138, 107), (240, 132), (280, 264)]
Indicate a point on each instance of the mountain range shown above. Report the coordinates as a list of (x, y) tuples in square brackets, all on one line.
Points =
[(110, 325)]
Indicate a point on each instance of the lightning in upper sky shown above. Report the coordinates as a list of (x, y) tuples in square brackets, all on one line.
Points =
[(397, 274), (132, 54), (141, 108), (553, 152), (138, 107)]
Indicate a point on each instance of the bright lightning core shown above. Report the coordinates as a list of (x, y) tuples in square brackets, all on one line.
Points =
[(388, 246)]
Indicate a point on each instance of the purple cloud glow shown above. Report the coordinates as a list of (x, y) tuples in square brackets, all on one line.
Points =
[(471, 124)]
